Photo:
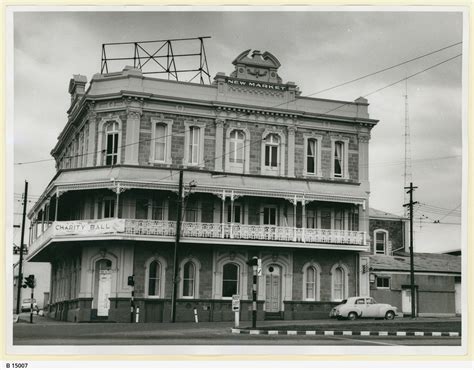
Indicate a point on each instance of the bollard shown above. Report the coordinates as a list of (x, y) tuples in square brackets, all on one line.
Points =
[(137, 316), (236, 318), (196, 315)]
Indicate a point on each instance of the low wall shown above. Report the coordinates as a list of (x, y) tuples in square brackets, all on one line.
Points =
[(159, 310)]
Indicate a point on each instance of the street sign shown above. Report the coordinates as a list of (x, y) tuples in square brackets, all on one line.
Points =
[(236, 303), (16, 249), (259, 267)]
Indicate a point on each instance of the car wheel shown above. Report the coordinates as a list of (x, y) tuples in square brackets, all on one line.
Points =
[(352, 316), (390, 315)]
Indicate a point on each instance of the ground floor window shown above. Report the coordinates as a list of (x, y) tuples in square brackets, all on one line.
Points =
[(230, 280), (189, 279), (154, 279), (340, 282), (311, 283), (383, 282)]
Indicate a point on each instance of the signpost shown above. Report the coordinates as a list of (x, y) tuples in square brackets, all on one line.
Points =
[(236, 308)]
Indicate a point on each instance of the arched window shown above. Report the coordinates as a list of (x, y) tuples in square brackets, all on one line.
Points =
[(340, 157), (311, 281), (160, 142), (155, 270), (236, 150), (340, 282), (154, 279), (311, 160), (380, 241), (272, 145), (111, 142), (194, 145), (189, 274), (189, 271), (230, 280)]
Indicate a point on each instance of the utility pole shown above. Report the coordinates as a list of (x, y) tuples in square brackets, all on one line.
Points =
[(20, 265), (411, 188), (176, 246), (407, 171)]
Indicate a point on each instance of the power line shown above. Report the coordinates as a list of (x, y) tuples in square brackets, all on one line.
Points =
[(262, 139), (385, 69), (275, 106), (414, 74)]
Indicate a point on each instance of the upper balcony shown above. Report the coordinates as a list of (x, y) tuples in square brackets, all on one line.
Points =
[(196, 232), (83, 205)]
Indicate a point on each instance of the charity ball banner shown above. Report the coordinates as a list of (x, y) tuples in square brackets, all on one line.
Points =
[(90, 227)]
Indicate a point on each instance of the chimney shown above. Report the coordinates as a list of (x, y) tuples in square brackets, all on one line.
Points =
[(77, 87)]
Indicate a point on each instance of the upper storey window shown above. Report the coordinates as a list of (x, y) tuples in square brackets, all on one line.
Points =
[(111, 140), (273, 150), (110, 137), (272, 146), (340, 158), (380, 241), (312, 163), (193, 154), (237, 150), (194, 144), (160, 142), (161, 132), (236, 153)]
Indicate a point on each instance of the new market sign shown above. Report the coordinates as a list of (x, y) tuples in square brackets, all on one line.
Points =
[(261, 85), (92, 227)]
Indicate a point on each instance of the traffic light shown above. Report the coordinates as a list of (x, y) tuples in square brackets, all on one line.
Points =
[(131, 282), (29, 282), (253, 261)]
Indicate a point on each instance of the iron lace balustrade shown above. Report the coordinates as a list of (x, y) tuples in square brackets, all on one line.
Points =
[(129, 228)]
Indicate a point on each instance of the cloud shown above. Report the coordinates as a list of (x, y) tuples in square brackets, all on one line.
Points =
[(317, 50)]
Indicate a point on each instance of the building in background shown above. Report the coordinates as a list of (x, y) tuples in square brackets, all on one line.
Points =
[(42, 277), (267, 173), (437, 276)]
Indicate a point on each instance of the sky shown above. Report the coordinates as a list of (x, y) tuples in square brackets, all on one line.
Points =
[(317, 50)]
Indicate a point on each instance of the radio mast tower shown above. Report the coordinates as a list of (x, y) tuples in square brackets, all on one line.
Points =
[(407, 172)]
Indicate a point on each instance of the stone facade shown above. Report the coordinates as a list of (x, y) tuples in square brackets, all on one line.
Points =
[(247, 150)]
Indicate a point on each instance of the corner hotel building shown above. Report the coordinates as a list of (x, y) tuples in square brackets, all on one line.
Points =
[(267, 173)]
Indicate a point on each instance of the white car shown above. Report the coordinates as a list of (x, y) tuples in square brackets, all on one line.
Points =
[(26, 305), (356, 307)]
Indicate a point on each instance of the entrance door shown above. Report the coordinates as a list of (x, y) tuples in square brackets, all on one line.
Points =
[(273, 289), (104, 286), (406, 301)]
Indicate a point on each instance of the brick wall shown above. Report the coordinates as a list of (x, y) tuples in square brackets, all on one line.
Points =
[(255, 129), (326, 260), (395, 230)]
